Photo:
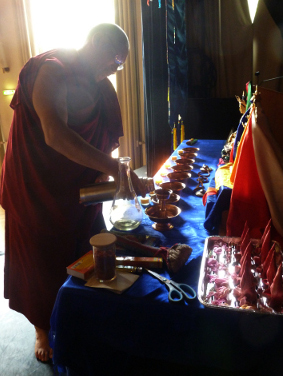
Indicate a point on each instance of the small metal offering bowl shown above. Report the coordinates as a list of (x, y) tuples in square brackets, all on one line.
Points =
[(182, 167), (163, 194), (191, 149), (179, 176), (176, 186), (188, 155), (162, 220), (171, 200), (184, 161)]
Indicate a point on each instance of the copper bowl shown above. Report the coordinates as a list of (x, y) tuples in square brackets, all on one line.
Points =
[(188, 155), (178, 176), (163, 194), (184, 161), (161, 218), (175, 186), (191, 149), (171, 200), (182, 167)]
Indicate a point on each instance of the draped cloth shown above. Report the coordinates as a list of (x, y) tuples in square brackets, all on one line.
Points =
[(258, 173), (46, 226), (268, 149), (248, 201)]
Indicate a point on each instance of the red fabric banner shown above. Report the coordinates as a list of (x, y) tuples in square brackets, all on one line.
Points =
[(248, 202)]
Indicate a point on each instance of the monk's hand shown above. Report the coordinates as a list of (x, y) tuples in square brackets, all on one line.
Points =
[(139, 187), (102, 178)]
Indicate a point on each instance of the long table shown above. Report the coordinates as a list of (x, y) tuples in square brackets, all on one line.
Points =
[(95, 332)]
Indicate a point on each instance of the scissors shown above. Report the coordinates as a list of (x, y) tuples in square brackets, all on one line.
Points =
[(177, 291)]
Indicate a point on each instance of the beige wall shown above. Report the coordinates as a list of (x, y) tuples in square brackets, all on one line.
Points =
[(11, 44)]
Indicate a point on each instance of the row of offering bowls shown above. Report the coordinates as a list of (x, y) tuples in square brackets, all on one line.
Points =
[(181, 171), (163, 210)]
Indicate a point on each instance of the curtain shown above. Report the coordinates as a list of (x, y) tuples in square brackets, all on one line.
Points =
[(219, 40), (177, 61), (276, 11), (22, 11), (19, 52), (130, 84), (225, 49), (158, 132)]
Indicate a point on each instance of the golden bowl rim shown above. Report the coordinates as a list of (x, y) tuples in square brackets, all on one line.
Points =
[(184, 159), (164, 189), (155, 219), (178, 167), (191, 155), (180, 173), (188, 148), (186, 153), (167, 200), (180, 187)]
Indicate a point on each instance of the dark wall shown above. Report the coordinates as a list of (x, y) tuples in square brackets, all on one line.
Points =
[(211, 118)]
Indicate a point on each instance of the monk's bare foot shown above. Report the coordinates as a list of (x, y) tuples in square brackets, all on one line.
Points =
[(42, 350)]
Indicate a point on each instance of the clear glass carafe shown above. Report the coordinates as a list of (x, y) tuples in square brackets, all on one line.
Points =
[(126, 212)]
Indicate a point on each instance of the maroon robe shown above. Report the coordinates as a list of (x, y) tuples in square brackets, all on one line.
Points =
[(46, 226)]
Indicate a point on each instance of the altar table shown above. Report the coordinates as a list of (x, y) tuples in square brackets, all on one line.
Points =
[(94, 332)]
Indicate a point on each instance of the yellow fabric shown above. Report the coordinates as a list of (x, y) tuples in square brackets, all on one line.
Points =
[(222, 176), (212, 190)]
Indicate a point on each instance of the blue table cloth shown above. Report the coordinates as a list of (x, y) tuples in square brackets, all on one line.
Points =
[(90, 328), (216, 204)]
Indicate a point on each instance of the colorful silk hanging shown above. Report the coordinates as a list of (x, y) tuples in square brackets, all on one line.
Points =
[(248, 202), (249, 88), (159, 3)]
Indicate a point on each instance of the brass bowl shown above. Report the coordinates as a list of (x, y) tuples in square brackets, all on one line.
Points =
[(162, 220), (191, 149), (163, 194), (188, 155), (182, 167), (175, 186), (184, 161), (179, 176), (171, 200)]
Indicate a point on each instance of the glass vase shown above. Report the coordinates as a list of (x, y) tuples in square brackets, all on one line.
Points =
[(126, 212)]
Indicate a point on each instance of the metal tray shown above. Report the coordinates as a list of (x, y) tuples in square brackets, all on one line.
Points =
[(206, 286)]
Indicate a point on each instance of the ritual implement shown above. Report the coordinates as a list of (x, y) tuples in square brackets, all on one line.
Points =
[(175, 256)]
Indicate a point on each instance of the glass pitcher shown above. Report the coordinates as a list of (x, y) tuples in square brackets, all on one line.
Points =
[(126, 212)]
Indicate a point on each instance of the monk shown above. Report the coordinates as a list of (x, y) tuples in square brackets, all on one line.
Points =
[(66, 123)]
